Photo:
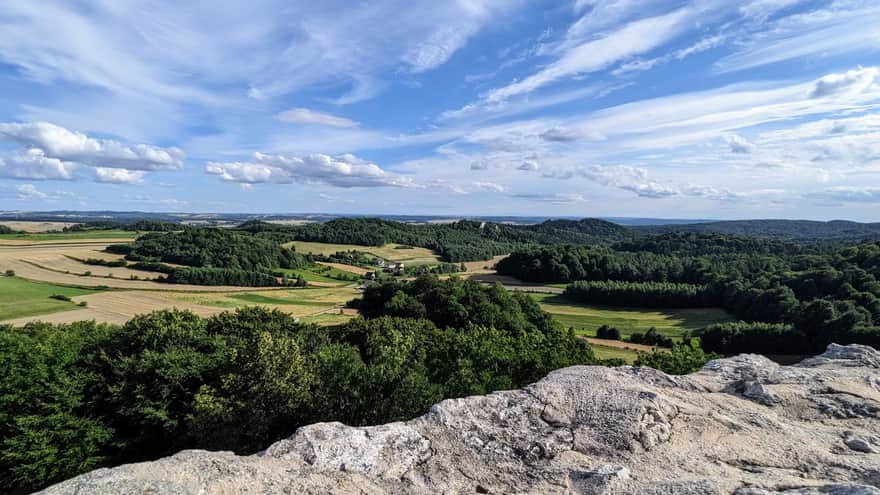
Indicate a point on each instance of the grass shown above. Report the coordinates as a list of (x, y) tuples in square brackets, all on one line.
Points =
[(327, 319), (587, 318), (390, 252), (20, 298), (89, 234), (298, 301), (320, 273), (605, 352)]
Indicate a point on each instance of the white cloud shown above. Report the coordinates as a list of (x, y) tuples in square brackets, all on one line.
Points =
[(559, 199), (479, 165), (489, 187), (739, 144), (306, 116), (633, 39), (119, 176), (69, 146), (33, 164), (850, 82), (29, 191), (841, 28), (528, 166), (340, 171), (564, 135)]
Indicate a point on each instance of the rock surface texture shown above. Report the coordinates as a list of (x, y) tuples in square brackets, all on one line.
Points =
[(742, 426)]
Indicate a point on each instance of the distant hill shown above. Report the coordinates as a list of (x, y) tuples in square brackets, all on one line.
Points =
[(784, 230)]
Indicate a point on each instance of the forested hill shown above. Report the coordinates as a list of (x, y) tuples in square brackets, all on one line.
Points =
[(458, 241), (785, 230)]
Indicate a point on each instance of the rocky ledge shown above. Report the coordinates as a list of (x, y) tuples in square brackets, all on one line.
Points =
[(743, 426)]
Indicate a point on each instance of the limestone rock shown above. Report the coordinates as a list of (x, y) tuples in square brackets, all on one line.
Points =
[(743, 426)]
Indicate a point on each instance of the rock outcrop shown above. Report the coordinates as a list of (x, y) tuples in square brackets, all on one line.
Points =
[(743, 426)]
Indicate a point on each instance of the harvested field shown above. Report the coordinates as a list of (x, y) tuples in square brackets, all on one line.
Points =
[(33, 227), (15, 257), (484, 266), (97, 235), (117, 307), (320, 306), (390, 252)]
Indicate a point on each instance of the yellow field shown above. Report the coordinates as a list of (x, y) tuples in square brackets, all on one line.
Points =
[(32, 227), (321, 306), (390, 252), (46, 262)]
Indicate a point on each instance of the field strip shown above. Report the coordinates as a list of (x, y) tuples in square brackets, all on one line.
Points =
[(28, 271), (117, 307), (36, 227), (346, 268), (619, 344), (61, 242)]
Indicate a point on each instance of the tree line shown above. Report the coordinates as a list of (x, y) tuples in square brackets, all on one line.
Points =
[(642, 294), (822, 293)]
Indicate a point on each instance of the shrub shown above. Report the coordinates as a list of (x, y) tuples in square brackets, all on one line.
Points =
[(606, 332)]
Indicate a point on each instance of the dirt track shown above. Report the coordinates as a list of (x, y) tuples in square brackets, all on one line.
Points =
[(620, 344)]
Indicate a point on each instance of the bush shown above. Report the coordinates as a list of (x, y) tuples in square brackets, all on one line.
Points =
[(651, 337), (60, 297), (10, 273), (609, 333), (681, 360)]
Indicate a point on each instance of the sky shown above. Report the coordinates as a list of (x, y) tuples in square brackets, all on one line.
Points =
[(639, 108)]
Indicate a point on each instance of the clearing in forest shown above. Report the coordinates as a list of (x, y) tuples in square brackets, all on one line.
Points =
[(587, 318), (390, 252)]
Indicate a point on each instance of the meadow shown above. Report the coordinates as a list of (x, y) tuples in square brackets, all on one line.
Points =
[(25, 298), (585, 319)]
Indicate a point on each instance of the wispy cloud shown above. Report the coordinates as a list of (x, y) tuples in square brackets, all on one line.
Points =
[(306, 116)]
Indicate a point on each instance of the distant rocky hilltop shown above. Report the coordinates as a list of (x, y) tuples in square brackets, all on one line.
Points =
[(742, 425)]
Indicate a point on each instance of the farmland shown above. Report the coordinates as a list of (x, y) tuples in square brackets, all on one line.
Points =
[(115, 235), (45, 267), (391, 252), (22, 298), (586, 318)]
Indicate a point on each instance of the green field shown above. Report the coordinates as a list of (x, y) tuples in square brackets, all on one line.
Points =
[(73, 236), (606, 352), (20, 298), (390, 252), (586, 318), (310, 300), (320, 273)]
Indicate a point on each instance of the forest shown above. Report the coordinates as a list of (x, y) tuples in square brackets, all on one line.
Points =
[(83, 395), (211, 257), (818, 293), (464, 240)]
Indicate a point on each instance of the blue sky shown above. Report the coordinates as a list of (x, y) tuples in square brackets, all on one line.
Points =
[(651, 108)]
